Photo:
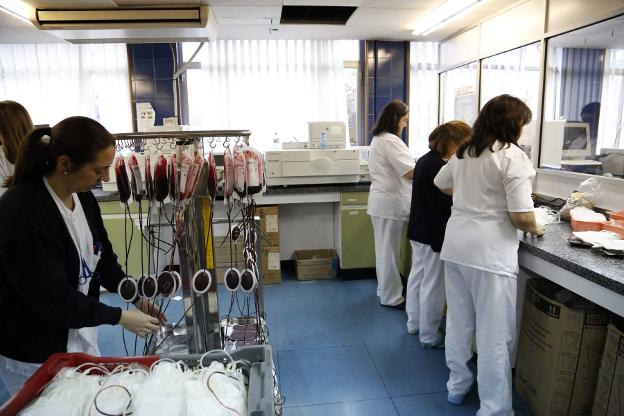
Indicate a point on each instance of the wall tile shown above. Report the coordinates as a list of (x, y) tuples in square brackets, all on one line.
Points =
[(142, 51), (144, 89), (143, 69)]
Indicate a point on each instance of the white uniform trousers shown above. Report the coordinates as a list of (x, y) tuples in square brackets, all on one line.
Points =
[(425, 298), (491, 299), (388, 236)]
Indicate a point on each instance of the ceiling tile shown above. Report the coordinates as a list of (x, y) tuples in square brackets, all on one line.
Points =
[(401, 4), (272, 12), (373, 16), (243, 2), (352, 3)]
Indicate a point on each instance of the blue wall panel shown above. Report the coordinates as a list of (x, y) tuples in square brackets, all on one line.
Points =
[(151, 72), (388, 64)]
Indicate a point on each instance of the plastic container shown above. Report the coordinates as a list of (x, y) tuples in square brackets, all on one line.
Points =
[(586, 225), (619, 215), (259, 396), (614, 226)]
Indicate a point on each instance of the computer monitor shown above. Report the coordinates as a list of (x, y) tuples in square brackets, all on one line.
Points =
[(576, 140)]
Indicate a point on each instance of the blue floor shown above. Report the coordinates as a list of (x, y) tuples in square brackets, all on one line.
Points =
[(338, 352)]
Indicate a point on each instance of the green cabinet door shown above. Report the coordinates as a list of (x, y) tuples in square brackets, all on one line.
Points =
[(115, 223), (357, 242)]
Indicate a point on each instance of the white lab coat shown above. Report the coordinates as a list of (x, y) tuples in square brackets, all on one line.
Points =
[(389, 206), (481, 253), (479, 233), (6, 169)]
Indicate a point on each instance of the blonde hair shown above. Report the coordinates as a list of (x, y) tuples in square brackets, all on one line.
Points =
[(15, 124), (444, 136)]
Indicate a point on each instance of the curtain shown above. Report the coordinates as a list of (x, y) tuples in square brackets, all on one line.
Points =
[(55, 81), (581, 76), (611, 125), (267, 86), (423, 95)]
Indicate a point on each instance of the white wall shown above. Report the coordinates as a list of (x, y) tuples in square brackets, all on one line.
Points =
[(570, 14), (460, 50)]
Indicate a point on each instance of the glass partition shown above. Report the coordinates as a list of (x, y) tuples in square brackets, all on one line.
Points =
[(584, 101), (515, 72), (458, 94)]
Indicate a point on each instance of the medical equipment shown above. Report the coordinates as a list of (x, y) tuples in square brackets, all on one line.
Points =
[(334, 134), (303, 167)]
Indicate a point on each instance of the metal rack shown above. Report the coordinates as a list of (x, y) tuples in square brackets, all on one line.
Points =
[(201, 331)]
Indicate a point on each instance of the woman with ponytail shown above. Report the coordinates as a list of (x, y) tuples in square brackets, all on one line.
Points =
[(55, 253), (15, 124)]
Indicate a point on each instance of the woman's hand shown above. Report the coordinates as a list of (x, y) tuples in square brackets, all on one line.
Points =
[(150, 308), (525, 221), (139, 323)]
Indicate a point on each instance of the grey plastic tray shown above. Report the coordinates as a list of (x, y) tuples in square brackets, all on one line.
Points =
[(260, 401)]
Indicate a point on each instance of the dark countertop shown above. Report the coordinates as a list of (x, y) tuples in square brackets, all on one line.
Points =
[(593, 265), (102, 196)]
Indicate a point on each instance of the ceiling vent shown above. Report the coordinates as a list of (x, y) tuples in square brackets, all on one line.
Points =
[(153, 24), (316, 15)]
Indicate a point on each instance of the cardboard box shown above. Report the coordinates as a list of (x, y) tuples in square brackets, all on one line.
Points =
[(269, 224), (271, 268), (316, 264), (559, 351), (609, 397), (222, 252)]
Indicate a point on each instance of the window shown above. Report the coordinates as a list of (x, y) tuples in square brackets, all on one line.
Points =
[(423, 97), (458, 94), (584, 101), (516, 72), (272, 86), (55, 81)]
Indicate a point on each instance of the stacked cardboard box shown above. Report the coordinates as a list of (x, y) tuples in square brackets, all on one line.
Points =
[(223, 260), (269, 229), (609, 399), (559, 350)]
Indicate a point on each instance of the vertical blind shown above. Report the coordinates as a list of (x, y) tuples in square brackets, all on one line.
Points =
[(423, 95), (267, 86), (57, 80)]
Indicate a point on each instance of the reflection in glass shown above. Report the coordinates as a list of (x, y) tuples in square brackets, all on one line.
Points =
[(458, 94), (584, 100), (517, 73)]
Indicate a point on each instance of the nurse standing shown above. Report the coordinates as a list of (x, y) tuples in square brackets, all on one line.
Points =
[(490, 180), (15, 124), (391, 165), (430, 211)]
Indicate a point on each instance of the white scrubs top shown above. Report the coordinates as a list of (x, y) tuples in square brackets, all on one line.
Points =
[(390, 193), (480, 233), (6, 170), (81, 339)]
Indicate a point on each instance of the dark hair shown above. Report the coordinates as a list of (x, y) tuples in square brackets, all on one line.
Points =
[(79, 138), (15, 124), (501, 119), (449, 134), (388, 121)]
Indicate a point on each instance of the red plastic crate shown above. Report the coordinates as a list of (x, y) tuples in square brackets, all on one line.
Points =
[(619, 215), (614, 226), (35, 384)]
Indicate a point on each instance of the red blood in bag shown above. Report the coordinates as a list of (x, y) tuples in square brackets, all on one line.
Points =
[(161, 184), (212, 176), (254, 170), (149, 181), (173, 177), (228, 174), (136, 181), (240, 172), (123, 184)]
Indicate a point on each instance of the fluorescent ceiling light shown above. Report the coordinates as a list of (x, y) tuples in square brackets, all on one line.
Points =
[(17, 8), (441, 14)]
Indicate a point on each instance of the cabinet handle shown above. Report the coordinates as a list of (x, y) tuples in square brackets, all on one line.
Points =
[(354, 213), (351, 199)]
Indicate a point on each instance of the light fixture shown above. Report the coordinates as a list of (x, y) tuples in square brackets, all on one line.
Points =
[(17, 8), (441, 14)]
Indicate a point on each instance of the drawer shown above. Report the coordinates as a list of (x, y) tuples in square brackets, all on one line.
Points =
[(354, 198)]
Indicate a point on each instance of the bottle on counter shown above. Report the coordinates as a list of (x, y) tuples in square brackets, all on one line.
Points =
[(276, 142), (323, 141)]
